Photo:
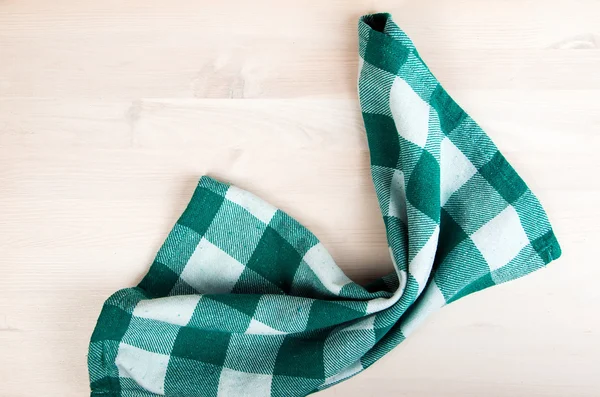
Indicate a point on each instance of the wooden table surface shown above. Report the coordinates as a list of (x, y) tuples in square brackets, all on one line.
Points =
[(111, 110)]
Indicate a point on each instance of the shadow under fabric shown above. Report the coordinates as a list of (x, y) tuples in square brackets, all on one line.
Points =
[(242, 300)]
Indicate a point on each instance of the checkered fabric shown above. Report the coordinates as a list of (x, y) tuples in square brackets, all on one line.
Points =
[(242, 300)]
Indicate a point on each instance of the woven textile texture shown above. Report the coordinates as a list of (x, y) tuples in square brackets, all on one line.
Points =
[(242, 300)]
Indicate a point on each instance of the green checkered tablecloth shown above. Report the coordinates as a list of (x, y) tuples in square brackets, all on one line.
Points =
[(242, 300)]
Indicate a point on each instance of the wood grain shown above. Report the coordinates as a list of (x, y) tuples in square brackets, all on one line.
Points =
[(110, 111)]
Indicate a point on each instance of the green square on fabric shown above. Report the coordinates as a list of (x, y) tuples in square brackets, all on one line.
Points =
[(187, 377), (159, 280), (243, 303), (250, 282), (451, 234), (354, 291), (380, 332), (112, 324), (108, 383), (235, 231), (391, 58), (547, 247), (325, 314), (178, 248), (503, 178), (201, 210), (384, 145), (423, 188), (307, 284), (293, 232), (450, 114), (211, 312), (206, 346), (300, 357), (275, 259)]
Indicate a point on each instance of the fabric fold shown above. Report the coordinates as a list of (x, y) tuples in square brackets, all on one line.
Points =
[(242, 300)]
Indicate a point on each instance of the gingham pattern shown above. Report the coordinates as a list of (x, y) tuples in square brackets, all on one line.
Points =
[(242, 300)]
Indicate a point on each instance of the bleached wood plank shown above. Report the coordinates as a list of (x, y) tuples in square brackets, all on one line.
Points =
[(110, 111)]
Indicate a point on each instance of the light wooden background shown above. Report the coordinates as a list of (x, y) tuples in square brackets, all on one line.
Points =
[(111, 110)]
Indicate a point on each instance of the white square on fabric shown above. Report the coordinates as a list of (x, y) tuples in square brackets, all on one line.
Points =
[(455, 169), (257, 328), (242, 384), (285, 313), (397, 206), (421, 265), (432, 300), (251, 203), (501, 239), (147, 369), (173, 309), (361, 63), (410, 113), (210, 270)]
